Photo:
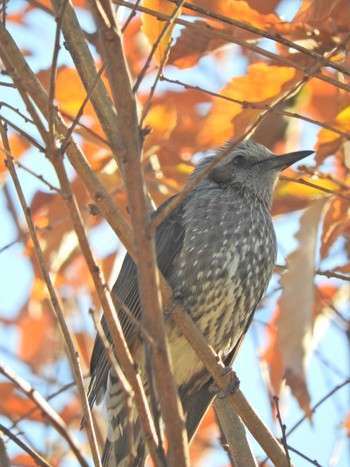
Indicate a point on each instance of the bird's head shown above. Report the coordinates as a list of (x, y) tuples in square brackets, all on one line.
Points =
[(251, 169)]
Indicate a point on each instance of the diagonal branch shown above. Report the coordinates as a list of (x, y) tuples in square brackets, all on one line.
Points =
[(48, 412)]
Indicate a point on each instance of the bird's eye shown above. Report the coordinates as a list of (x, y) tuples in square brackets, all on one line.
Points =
[(238, 160)]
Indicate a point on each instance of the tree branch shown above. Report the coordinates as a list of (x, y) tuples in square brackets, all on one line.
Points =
[(48, 412), (153, 319)]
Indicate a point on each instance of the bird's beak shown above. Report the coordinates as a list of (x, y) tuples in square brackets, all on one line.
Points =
[(282, 162)]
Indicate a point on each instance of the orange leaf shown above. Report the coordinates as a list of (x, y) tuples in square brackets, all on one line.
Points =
[(193, 43), (329, 142), (14, 406), (347, 424), (84, 344), (341, 123), (336, 219), (273, 354), (38, 338), (153, 27), (71, 413), (23, 460), (18, 145), (162, 120), (229, 118)]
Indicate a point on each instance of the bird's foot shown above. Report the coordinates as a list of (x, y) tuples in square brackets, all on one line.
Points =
[(232, 387), (178, 299)]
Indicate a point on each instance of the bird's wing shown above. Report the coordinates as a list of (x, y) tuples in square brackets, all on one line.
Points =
[(169, 239)]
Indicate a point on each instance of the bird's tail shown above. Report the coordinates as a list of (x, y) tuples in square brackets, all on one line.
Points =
[(125, 443)]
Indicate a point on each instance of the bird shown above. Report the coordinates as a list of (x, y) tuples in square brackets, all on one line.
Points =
[(217, 249)]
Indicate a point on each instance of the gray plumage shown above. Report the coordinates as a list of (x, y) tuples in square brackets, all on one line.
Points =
[(217, 249)]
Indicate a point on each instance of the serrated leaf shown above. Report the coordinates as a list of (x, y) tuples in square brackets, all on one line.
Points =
[(295, 320)]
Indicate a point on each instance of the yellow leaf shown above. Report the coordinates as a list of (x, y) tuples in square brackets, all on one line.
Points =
[(153, 28), (162, 119), (341, 123)]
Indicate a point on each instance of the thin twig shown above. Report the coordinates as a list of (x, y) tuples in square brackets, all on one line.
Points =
[(81, 109), (147, 104), (23, 133), (301, 181), (319, 272), (32, 411), (168, 25), (37, 176), (130, 17), (52, 80), (238, 447), (30, 451), (76, 43), (311, 461), (48, 412), (16, 111), (318, 404), (283, 428)]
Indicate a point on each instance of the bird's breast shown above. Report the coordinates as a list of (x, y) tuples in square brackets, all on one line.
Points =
[(220, 275)]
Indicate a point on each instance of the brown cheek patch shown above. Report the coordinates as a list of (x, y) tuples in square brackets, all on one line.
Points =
[(220, 174)]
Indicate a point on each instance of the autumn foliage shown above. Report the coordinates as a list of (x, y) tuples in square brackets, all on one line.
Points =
[(202, 73)]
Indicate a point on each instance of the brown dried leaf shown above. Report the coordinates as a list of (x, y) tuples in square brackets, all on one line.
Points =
[(191, 45), (295, 320), (343, 269), (290, 342), (331, 16)]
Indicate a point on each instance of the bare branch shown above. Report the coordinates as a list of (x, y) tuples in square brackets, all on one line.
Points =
[(48, 412), (283, 428), (235, 435), (30, 451)]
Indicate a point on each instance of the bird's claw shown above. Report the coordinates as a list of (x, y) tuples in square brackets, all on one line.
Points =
[(231, 388)]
